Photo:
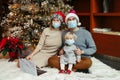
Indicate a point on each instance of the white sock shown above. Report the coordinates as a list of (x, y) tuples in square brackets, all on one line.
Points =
[(70, 67), (62, 66)]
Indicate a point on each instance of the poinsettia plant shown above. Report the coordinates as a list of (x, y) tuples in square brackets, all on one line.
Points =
[(11, 45)]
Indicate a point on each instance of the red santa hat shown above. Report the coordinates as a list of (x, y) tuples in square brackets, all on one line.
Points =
[(70, 14), (59, 15)]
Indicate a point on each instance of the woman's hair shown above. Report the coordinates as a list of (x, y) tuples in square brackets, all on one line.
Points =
[(70, 35)]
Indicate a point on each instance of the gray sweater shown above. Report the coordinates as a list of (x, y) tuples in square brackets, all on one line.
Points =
[(84, 41)]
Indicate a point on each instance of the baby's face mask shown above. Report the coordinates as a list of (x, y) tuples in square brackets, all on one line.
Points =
[(70, 41)]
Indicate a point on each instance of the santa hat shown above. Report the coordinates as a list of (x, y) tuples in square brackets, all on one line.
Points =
[(72, 13), (59, 15)]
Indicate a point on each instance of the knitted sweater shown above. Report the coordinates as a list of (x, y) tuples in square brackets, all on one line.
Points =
[(50, 41), (84, 41)]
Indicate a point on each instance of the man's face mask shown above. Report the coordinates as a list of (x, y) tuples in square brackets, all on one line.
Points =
[(56, 24), (72, 24)]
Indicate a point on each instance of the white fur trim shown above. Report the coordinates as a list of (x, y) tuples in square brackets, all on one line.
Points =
[(79, 24), (74, 15)]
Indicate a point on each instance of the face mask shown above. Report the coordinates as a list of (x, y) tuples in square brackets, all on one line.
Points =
[(72, 24), (70, 42), (56, 24)]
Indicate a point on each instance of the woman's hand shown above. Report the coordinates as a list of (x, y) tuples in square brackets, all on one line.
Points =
[(29, 56)]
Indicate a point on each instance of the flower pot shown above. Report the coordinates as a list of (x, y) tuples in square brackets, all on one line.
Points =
[(5, 57)]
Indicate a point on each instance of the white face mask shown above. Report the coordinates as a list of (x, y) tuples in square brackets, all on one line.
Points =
[(70, 42), (72, 24), (56, 24)]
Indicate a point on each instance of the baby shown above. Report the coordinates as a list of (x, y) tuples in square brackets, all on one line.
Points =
[(69, 57)]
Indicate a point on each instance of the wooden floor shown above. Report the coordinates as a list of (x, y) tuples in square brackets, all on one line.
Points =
[(113, 62)]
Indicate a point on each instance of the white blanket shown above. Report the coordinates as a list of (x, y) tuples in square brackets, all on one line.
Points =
[(99, 71)]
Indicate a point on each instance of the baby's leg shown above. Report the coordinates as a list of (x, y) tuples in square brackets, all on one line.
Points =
[(62, 68), (70, 66)]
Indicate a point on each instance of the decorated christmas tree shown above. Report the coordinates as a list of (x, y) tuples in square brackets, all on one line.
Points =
[(27, 18)]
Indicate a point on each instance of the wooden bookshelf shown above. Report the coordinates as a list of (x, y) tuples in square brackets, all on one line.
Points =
[(92, 15)]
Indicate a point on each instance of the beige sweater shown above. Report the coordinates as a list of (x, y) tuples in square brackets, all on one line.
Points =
[(48, 45)]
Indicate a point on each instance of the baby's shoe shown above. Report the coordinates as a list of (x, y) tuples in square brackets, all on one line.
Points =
[(68, 71), (62, 71)]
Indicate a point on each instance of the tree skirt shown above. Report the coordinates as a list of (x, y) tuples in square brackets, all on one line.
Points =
[(98, 71)]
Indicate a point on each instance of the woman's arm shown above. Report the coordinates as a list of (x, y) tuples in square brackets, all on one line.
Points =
[(39, 45)]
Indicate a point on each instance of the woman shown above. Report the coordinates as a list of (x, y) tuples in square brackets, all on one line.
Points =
[(50, 41), (85, 43)]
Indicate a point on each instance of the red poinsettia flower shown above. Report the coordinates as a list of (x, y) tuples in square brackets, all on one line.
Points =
[(3, 42), (12, 45), (21, 46)]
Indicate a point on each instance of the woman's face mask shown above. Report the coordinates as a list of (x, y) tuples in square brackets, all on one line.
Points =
[(69, 41), (56, 24), (72, 24)]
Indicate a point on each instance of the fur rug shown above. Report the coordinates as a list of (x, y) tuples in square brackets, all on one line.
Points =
[(98, 71)]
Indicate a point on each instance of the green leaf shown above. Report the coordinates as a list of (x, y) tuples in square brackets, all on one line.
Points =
[(4, 52)]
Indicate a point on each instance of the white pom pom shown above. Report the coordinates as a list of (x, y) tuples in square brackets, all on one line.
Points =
[(79, 24)]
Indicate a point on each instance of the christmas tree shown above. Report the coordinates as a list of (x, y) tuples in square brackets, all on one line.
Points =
[(27, 18)]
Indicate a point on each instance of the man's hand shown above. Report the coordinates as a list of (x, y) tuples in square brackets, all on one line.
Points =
[(79, 51), (61, 52)]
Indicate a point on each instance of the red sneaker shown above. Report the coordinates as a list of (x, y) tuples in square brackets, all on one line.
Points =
[(68, 71), (62, 71)]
